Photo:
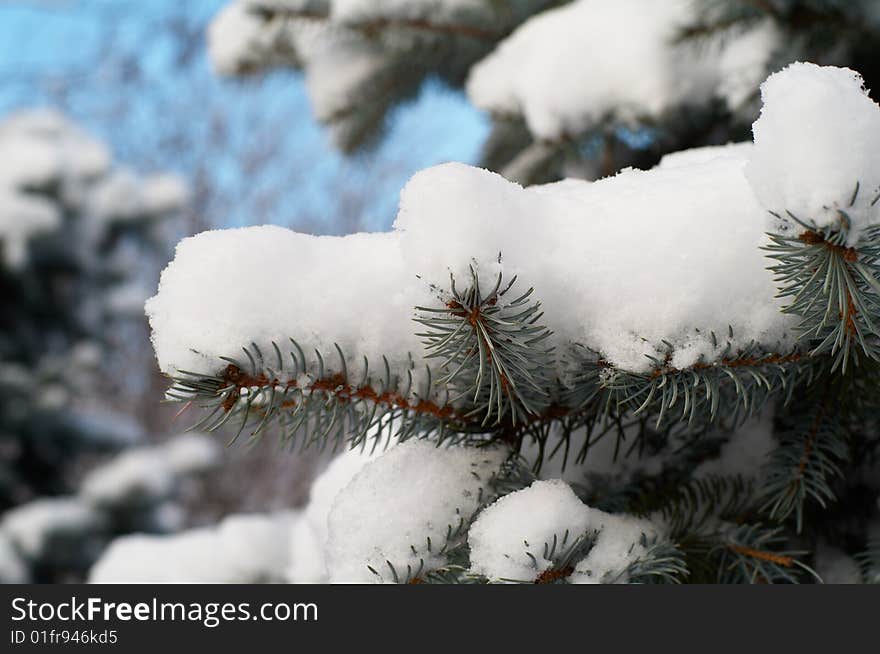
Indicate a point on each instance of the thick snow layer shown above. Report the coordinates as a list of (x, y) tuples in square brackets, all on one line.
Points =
[(32, 527), (817, 137), (149, 475), (698, 156), (241, 549), (138, 476), (613, 263), (191, 453), (521, 523), (566, 69), (397, 504), (361, 275), (627, 266), (307, 562)]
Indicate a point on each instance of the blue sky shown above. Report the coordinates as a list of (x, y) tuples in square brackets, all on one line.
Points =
[(135, 74)]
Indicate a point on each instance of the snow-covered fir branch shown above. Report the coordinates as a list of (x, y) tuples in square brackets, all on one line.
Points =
[(657, 376)]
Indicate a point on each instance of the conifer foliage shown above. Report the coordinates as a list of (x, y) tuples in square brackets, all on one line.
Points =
[(668, 375)]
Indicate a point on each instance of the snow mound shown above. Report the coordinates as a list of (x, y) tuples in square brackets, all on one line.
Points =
[(817, 137), (398, 509), (507, 540), (308, 539)]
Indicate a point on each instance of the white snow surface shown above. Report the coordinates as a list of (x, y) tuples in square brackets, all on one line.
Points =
[(699, 156), (566, 69), (246, 548), (123, 195), (817, 137), (389, 510), (522, 522)]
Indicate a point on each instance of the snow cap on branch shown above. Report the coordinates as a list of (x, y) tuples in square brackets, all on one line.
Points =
[(818, 136), (645, 266), (531, 533), (400, 508)]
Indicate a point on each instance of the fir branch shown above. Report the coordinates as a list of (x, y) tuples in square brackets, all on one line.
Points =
[(699, 504), (746, 553), (813, 444), (662, 562), (832, 287), (740, 382), (305, 398), (563, 553), (491, 350)]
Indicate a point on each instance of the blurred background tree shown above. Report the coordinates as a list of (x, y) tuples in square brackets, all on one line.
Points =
[(574, 88), (133, 79)]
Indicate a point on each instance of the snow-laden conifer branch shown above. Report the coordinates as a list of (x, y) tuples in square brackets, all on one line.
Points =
[(492, 381), (714, 522), (404, 536), (658, 331)]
